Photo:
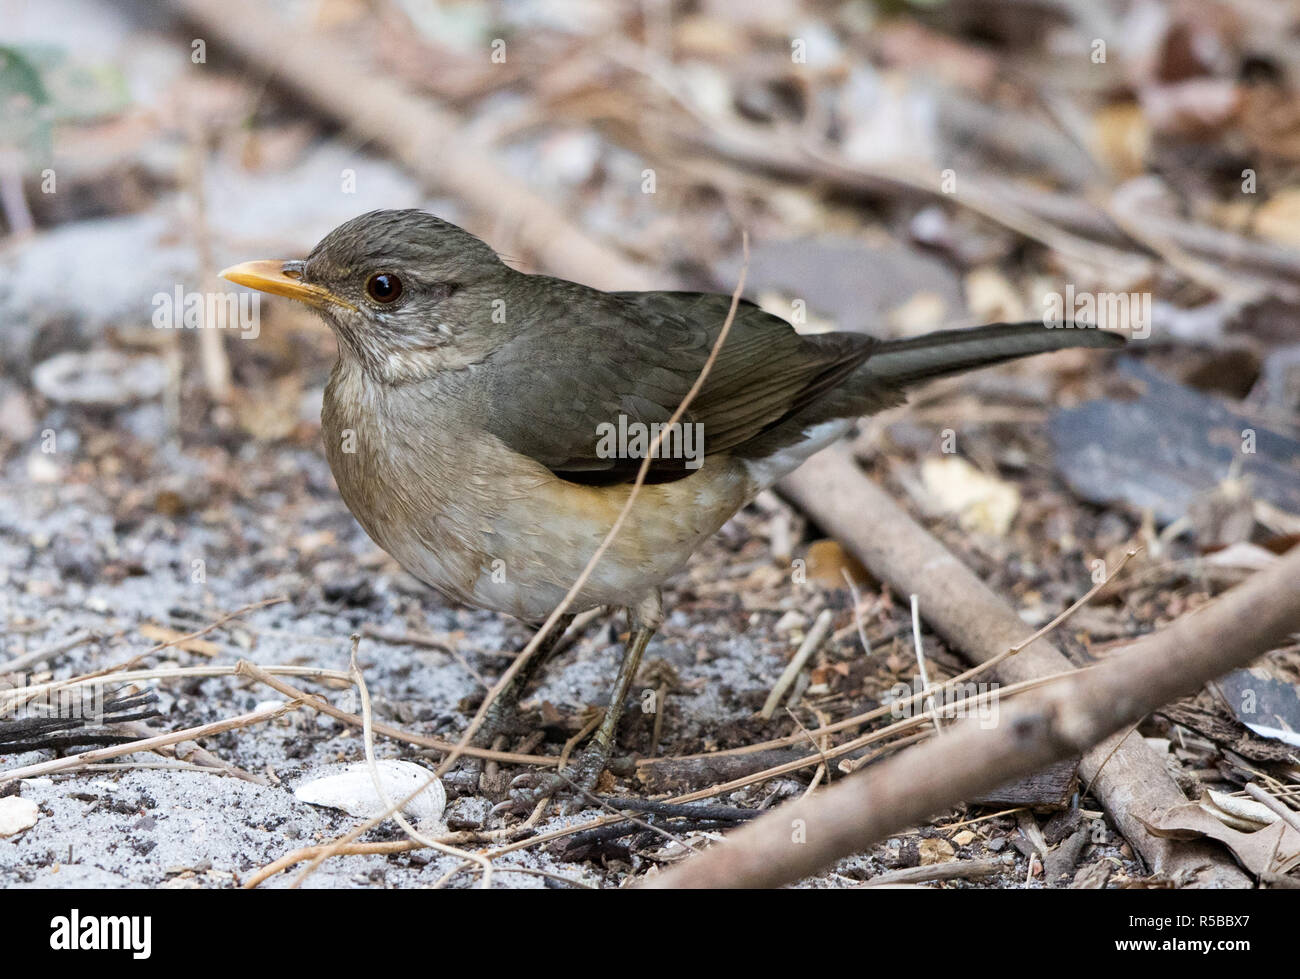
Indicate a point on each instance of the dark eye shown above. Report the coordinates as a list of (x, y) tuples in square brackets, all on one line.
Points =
[(384, 287)]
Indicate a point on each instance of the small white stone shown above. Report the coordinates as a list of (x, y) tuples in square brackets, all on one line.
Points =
[(789, 622), (16, 815), (43, 469)]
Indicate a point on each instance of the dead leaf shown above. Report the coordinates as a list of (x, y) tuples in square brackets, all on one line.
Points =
[(157, 633), (981, 502), (1274, 848), (828, 562), (1121, 137), (934, 850), (1278, 218), (1247, 815), (991, 298)]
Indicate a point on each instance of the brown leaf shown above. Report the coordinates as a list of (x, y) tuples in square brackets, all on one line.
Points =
[(1274, 848), (935, 850), (828, 561), (158, 633)]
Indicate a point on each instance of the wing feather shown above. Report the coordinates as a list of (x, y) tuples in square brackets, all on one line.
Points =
[(637, 354)]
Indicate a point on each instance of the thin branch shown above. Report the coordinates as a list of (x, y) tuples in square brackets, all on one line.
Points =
[(75, 762), (395, 810), (920, 659), (811, 642), (22, 696), (21, 662)]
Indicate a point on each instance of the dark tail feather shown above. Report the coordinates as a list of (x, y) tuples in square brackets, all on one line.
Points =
[(902, 363)]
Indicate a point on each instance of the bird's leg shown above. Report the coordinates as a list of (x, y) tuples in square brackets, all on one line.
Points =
[(503, 713), (595, 756), (531, 788), (502, 717)]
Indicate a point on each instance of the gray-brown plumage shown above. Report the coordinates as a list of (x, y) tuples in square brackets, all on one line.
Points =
[(463, 420)]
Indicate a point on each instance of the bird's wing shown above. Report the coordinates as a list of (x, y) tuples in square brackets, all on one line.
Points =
[(637, 354)]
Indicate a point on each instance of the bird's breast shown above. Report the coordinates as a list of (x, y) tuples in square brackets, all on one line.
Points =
[(489, 527)]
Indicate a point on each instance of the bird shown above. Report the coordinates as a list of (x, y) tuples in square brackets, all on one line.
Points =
[(485, 426)]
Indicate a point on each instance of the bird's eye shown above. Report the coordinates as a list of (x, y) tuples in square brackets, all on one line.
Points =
[(384, 287)]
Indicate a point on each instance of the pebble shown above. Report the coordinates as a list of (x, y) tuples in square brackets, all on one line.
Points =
[(17, 814)]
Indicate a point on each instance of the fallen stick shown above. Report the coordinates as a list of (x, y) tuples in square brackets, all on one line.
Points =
[(816, 636), (1133, 784), (1066, 717), (81, 760), (199, 756), (19, 663), (953, 870), (687, 775), (1285, 813), (14, 698), (385, 848)]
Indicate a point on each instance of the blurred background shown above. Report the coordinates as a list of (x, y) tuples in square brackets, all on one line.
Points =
[(899, 167)]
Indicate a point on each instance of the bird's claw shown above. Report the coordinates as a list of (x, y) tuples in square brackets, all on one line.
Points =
[(530, 788), (527, 790)]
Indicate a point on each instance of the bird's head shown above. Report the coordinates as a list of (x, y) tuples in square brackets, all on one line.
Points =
[(405, 292)]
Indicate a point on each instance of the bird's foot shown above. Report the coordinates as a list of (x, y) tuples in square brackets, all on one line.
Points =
[(500, 726), (579, 777)]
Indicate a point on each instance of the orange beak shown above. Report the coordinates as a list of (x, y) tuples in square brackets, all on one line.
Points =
[(270, 276)]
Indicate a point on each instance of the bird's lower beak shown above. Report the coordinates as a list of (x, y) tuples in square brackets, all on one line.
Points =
[(283, 279)]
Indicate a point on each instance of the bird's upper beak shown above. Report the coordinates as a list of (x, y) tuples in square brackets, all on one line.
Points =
[(281, 278)]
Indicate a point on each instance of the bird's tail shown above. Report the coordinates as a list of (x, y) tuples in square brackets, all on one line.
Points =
[(892, 367), (902, 363)]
